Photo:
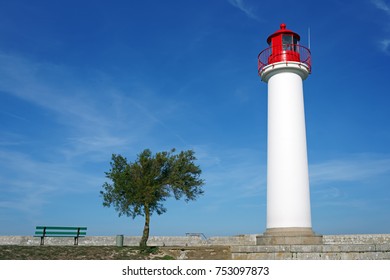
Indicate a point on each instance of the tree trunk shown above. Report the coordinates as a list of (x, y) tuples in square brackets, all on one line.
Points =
[(145, 234)]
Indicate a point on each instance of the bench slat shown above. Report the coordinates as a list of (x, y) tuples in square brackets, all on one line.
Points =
[(47, 233), (61, 228), (70, 236)]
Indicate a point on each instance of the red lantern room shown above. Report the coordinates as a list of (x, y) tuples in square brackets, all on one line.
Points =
[(283, 47)]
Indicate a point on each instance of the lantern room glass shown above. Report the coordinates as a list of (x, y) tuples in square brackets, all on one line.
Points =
[(289, 42)]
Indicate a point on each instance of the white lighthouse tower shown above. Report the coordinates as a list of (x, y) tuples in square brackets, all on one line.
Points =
[(283, 66)]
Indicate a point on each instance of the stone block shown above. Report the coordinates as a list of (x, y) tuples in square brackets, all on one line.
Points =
[(383, 247), (357, 248), (262, 249), (283, 256), (307, 256), (306, 248), (253, 256), (365, 256), (330, 256), (331, 248), (289, 236)]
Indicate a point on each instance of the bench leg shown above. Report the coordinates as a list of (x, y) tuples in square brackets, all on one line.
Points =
[(42, 241), (76, 241)]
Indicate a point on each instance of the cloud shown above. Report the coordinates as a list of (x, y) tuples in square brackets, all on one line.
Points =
[(350, 182), (382, 5), (385, 46), (37, 182), (244, 8), (331, 180), (353, 169), (85, 119), (95, 118), (233, 176)]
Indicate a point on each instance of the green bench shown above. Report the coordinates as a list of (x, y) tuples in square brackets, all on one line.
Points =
[(46, 231)]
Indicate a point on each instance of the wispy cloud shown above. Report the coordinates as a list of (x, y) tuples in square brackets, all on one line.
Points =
[(382, 5), (95, 118), (385, 46), (331, 180), (241, 5), (88, 122), (38, 181), (233, 176), (355, 168)]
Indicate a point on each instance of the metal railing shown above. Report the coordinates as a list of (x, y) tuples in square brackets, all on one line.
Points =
[(284, 53), (197, 234)]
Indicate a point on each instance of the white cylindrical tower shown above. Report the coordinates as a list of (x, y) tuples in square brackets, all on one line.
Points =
[(284, 66)]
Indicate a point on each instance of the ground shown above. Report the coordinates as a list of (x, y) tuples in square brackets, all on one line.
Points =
[(113, 253)]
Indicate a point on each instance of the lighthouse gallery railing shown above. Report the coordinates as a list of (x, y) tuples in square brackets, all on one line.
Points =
[(284, 53)]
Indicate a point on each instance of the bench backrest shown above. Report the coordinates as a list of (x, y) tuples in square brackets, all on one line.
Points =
[(60, 231)]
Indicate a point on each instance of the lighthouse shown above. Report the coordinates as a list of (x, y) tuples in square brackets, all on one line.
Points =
[(284, 65)]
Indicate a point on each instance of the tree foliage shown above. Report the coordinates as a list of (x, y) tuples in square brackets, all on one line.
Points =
[(139, 188)]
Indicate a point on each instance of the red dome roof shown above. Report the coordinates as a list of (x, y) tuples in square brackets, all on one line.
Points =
[(282, 30)]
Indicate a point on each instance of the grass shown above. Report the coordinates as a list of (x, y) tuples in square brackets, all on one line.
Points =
[(16, 252), (13, 252)]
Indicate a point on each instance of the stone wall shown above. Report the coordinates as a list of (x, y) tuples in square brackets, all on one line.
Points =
[(312, 252), (357, 239), (132, 240), (243, 247), (333, 247)]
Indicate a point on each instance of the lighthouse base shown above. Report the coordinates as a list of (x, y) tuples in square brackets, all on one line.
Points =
[(289, 236)]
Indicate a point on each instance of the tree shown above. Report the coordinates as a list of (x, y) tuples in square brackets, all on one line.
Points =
[(139, 188)]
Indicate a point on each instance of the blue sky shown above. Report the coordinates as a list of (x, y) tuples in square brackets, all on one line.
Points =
[(80, 80)]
